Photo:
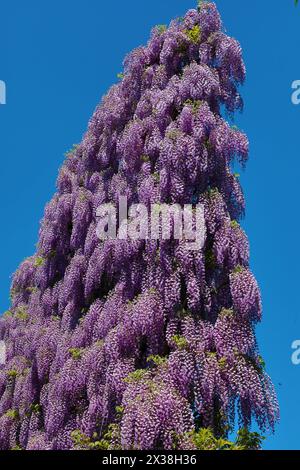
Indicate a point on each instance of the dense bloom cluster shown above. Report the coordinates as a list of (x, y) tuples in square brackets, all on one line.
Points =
[(143, 341)]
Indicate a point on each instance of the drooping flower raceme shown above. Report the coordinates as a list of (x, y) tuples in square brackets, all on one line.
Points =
[(138, 344)]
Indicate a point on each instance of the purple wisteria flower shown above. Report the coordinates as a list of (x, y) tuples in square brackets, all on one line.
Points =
[(136, 344)]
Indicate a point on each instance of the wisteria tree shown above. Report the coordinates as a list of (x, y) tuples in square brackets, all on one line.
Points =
[(122, 344)]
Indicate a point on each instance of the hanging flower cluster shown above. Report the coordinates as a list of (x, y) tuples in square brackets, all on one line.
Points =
[(139, 344)]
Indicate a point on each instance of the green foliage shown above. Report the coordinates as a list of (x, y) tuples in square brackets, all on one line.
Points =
[(247, 440), (56, 317), (35, 408), (32, 289), (194, 34), (120, 76), (21, 314), (99, 343), (261, 362), (136, 376), (173, 134), (13, 292), (195, 104), (39, 261), (258, 364), (234, 224), (226, 312), (12, 373), (82, 196), (156, 177), (202, 3), (25, 372), (152, 291), (8, 313), (204, 439), (157, 360), (83, 442), (238, 269), (111, 434), (76, 353), (222, 363), (119, 411), (13, 414), (211, 354), (180, 341), (212, 193), (161, 28)]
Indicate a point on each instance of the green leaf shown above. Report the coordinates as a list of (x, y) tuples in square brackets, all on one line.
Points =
[(39, 261), (204, 439), (194, 34), (161, 28), (136, 376), (180, 341), (157, 360), (76, 353)]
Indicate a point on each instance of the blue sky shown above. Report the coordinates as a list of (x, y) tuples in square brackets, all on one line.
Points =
[(58, 59)]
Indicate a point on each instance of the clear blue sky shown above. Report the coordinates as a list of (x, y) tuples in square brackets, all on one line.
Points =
[(59, 57)]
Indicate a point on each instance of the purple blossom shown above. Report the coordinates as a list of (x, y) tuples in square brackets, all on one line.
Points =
[(146, 335)]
